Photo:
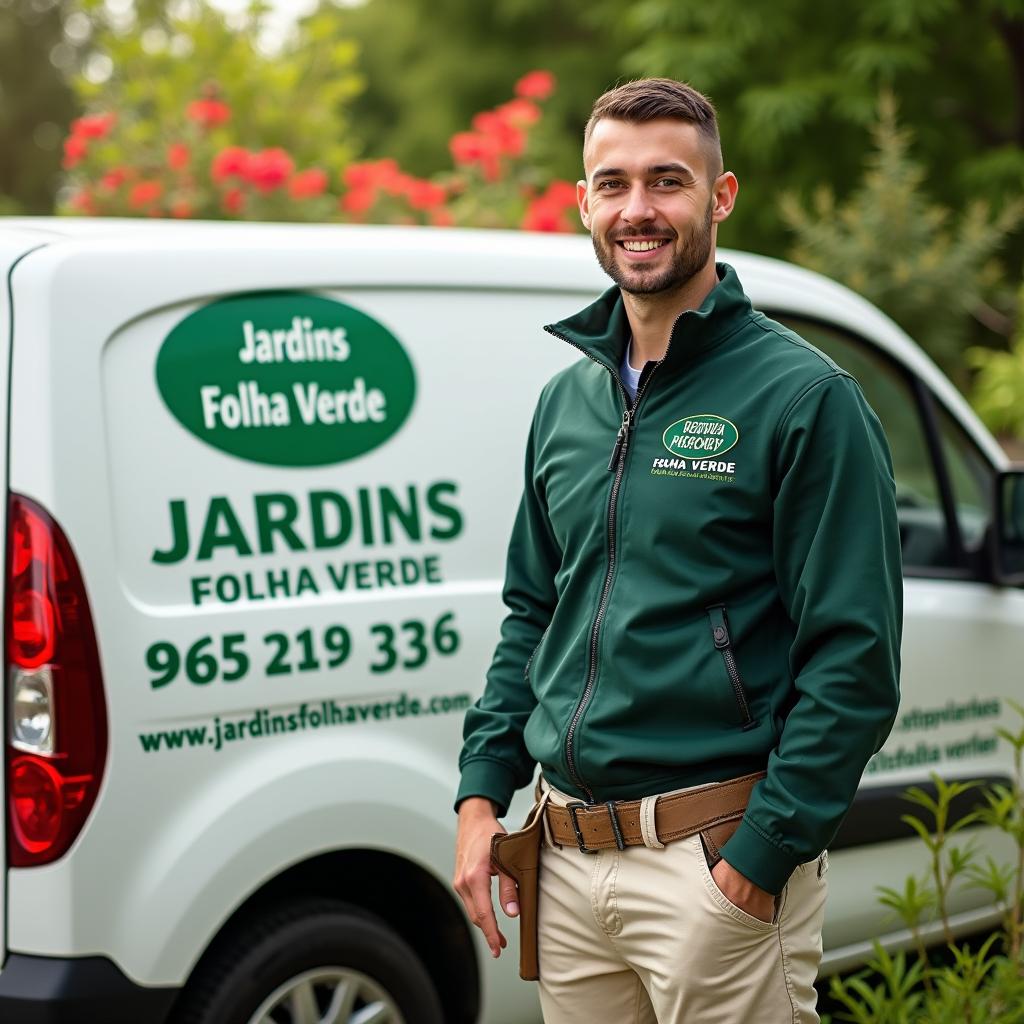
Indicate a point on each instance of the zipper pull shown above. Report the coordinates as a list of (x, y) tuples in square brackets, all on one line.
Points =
[(621, 439)]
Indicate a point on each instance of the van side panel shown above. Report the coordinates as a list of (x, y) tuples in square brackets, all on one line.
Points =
[(289, 633)]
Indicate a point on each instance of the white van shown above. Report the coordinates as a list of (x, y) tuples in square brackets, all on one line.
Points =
[(260, 482)]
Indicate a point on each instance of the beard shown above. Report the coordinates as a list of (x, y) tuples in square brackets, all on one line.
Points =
[(643, 280)]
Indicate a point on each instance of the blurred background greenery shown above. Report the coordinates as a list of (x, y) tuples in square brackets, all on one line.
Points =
[(882, 142)]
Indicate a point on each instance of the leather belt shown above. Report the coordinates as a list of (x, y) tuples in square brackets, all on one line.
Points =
[(616, 824)]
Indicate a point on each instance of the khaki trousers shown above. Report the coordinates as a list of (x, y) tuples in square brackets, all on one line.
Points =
[(645, 936)]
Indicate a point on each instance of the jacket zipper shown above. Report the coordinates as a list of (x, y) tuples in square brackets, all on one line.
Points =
[(533, 653), (723, 642), (616, 463)]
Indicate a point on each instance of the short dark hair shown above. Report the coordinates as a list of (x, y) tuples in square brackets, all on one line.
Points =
[(648, 99)]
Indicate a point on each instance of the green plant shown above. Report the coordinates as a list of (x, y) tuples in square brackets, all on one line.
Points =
[(973, 984), (998, 394), (929, 269)]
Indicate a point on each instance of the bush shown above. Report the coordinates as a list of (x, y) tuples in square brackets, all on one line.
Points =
[(197, 121), (998, 394), (977, 986)]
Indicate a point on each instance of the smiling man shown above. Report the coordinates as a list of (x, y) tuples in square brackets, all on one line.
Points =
[(702, 645)]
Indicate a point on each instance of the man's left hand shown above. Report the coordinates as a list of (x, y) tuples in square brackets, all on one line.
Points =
[(742, 892)]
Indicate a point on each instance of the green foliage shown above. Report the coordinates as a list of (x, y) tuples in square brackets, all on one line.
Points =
[(892, 243), (973, 985), (998, 394), (431, 65), (169, 57), (35, 102), (796, 83), (895, 999)]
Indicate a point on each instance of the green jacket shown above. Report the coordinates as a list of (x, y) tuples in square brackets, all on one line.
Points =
[(701, 585)]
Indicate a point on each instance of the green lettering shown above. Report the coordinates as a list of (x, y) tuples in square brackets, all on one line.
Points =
[(220, 514), (366, 515), (306, 582), (409, 517), (275, 513), (445, 511), (179, 536), (321, 537)]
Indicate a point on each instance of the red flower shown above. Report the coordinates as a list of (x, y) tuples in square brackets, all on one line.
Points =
[(519, 112), (425, 195), (144, 193), (84, 202), (371, 173), (508, 139), (542, 215), (93, 126), (441, 218), (115, 178), (233, 201), (561, 193), (75, 148), (397, 184), (359, 200), (308, 183), (181, 209), (469, 147), (536, 85), (178, 155), (270, 169), (390, 177), (359, 175), (474, 148), (208, 113), (230, 162)]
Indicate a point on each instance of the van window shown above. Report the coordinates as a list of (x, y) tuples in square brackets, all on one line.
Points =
[(924, 532), (971, 478)]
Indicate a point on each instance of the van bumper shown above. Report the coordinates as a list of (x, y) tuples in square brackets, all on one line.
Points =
[(51, 990)]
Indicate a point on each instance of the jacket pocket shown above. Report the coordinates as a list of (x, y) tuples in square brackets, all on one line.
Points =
[(722, 639)]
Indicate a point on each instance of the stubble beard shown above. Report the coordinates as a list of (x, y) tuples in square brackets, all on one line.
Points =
[(692, 257)]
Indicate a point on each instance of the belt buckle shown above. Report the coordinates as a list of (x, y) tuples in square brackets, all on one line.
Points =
[(574, 809)]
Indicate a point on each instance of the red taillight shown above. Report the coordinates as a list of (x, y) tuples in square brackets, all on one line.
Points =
[(56, 710)]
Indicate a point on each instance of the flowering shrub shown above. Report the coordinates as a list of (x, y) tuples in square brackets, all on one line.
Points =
[(202, 172)]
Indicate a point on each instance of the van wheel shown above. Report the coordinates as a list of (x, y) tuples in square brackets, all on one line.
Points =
[(311, 962)]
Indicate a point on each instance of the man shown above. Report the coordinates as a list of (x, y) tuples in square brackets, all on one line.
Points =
[(703, 586)]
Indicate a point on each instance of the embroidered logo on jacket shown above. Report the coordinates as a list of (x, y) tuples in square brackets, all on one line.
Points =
[(696, 443), (700, 436)]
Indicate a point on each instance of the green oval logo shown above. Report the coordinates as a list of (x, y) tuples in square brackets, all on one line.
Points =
[(701, 436), (286, 378)]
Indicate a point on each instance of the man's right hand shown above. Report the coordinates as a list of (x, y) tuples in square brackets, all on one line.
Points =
[(473, 871)]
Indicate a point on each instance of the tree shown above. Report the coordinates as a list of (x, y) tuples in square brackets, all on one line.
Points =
[(431, 65), (36, 101), (891, 243), (796, 81)]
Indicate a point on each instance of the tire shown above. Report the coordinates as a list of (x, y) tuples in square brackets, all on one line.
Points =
[(305, 958)]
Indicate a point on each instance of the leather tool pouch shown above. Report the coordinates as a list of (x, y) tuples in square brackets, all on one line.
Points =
[(518, 855)]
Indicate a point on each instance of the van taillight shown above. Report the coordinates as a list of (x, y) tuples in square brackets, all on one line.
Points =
[(56, 711)]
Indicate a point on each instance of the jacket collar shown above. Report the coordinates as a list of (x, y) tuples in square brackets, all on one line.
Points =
[(601, 330)]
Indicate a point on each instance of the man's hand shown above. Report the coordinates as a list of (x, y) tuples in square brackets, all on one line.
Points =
[(473, 871), (742, 892)]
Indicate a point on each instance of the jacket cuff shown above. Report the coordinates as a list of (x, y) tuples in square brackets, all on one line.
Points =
[(759, 859), (489, 778)]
